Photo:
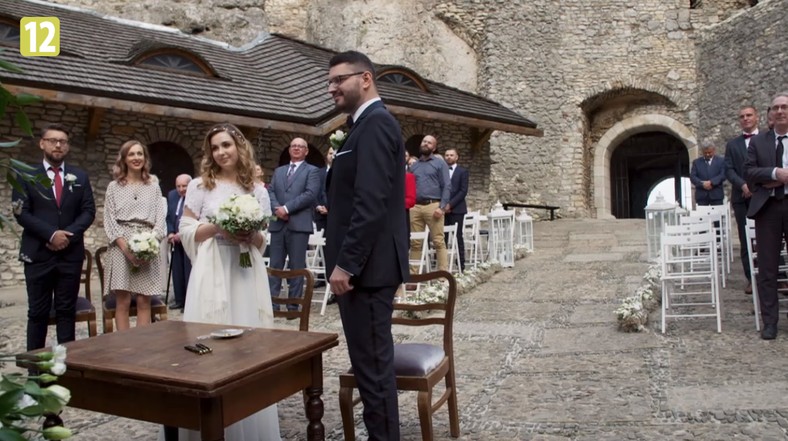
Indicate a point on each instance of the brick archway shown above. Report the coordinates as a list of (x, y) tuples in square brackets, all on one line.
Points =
[(618, 133)]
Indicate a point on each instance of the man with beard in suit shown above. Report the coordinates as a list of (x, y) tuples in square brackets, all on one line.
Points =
[(456, 208), (54, 220), (766, 170), (366, 239), (735, 156)]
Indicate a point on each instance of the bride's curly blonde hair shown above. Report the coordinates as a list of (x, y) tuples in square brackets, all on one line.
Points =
[(244, 166)]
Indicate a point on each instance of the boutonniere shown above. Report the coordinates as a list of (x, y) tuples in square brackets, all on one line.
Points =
[(71, 181), (337, 139)]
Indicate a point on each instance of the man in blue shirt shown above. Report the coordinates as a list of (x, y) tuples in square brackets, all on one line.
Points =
[(433, 189)]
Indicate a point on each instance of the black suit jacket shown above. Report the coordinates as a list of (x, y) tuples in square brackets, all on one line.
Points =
[(41, 217), (761, 161), (735, 157), (322, 198), (172, 206), (366, 232), (701, 171), (459, 189)]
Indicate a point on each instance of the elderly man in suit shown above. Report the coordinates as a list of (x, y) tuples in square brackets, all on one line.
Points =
[(366, 238), (54, 220), (293, 191), (735, 156), (708, 175), (180, 266), (765, 169), (456, 208)]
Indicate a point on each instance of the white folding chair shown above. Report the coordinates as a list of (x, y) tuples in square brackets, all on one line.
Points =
[(315, 262), (724, 212), (451, 247), (470, 235), (422, 263), (753, 257), (722, 248), (690, 273)]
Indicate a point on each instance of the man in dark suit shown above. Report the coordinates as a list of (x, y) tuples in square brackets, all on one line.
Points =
[(180, 266), (293, 192), (321, 209), (54, 220), (708, 175), (767, 174), (735, 156), (456, 208), (366, 238)]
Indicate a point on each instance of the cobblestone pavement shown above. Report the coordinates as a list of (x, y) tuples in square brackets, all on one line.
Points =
[(539, 357)]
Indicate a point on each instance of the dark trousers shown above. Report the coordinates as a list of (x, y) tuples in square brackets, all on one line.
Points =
[(181, 269), (771, 226), (709, 202), (457, 219), (740, 213), (291, 245), (53, 283), (320, 222), (366, 320)]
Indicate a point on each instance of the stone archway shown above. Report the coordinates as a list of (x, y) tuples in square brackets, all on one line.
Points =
[(168, 161), (618, 133)]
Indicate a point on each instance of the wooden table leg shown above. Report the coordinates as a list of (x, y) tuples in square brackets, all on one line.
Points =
[(315, 431), (211, 420)]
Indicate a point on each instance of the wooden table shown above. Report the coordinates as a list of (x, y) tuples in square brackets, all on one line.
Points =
[(146, 374)]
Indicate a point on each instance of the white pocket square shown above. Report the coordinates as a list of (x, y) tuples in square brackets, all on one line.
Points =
[(342, 153)]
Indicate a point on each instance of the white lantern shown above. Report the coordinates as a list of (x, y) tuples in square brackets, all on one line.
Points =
[(658, 214), (502, 235), (524, 234)]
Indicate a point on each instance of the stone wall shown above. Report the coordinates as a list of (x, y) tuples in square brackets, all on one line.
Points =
[(741, 62)]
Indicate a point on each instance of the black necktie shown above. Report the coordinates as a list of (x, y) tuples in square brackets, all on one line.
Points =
[(779, 192), (349, 122)]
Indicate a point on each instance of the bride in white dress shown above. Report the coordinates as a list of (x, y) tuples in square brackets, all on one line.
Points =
[(220, 291)]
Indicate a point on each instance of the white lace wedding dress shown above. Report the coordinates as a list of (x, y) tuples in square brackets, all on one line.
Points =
[(220, 291)]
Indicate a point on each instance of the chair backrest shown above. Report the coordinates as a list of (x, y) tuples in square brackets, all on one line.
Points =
[(445, 316), (422, 236), (304, 302), (99, 256), (87, 269)]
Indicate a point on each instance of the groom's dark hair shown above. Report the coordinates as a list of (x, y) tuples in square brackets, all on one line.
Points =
[(355, 58)]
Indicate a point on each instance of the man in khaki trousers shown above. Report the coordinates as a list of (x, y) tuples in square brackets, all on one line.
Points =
[(433, 188)]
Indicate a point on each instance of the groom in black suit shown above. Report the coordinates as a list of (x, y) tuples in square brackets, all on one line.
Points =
[(767, 170), (54, 220), (366, 237)]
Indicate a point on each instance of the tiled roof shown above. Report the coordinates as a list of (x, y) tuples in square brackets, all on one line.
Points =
[(274, 77)]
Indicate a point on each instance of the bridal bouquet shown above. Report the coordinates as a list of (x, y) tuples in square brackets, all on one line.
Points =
[(23, 400), (145, 246), (241, 214)]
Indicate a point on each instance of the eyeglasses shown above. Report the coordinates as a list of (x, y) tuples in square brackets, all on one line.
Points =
[(339, 79), (298, 147), (777, 107), (56, 141)]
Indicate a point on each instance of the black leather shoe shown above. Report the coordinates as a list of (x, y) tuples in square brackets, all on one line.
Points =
[(332, 299), (769, 331), (320, 284)]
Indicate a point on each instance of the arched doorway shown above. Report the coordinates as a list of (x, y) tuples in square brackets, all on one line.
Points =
[(313, 157), (638, 164), (615, 136), (168, 160), (413, 144)]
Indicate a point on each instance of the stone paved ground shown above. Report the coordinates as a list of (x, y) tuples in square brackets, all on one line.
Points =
[(539, 357)]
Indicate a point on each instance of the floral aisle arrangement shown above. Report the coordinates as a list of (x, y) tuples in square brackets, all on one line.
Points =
[(241, 214), (633, 312), (144, 245), (24, 400)]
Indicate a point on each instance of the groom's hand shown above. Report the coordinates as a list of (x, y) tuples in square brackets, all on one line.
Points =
[(340, 281)]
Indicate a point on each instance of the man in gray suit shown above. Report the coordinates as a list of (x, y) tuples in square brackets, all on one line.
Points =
[(735, 156), (293, 191)]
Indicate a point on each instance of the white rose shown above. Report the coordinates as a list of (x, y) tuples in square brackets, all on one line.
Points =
[(60, 353), (58, 369)]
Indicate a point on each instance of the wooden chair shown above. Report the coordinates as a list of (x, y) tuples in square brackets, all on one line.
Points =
[(158, 310), (418, 366), (85, 312), (305, 302)]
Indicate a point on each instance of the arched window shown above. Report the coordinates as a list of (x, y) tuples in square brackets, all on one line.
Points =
[(402, 77), (9, 33), (174, 61)]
